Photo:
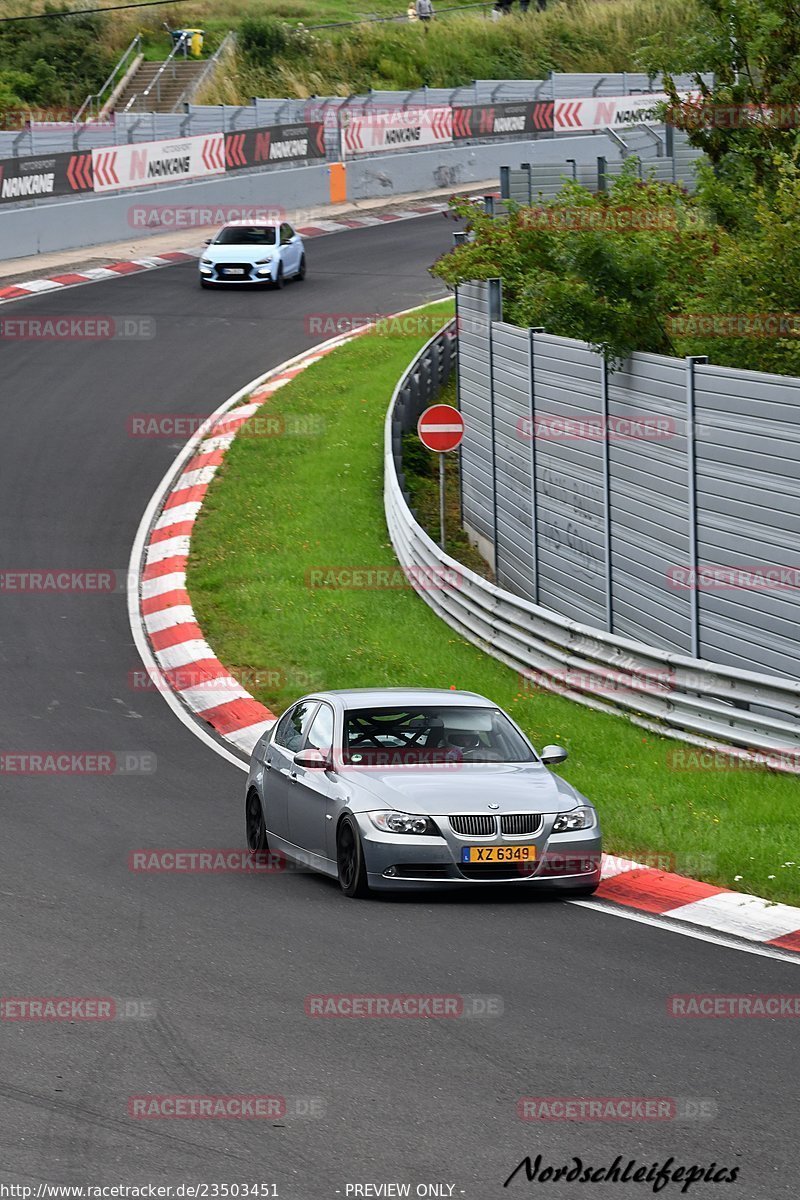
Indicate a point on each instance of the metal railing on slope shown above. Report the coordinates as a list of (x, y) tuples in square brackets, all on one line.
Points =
[(180, 46), (703, 703), (92, 104)]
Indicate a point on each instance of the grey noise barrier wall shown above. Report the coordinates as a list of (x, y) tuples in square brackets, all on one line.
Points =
[(586, 531), (91, 220)]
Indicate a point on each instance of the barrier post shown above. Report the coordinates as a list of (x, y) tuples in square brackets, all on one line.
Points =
[(534, 494), (605, 443), (495, 305), (459, 237), (691, 463)]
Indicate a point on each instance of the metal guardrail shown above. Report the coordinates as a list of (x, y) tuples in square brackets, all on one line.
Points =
[(92, 104), (740, 713), (198, 119), (180, 45)]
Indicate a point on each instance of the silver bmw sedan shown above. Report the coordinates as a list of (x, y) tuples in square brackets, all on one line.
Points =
[(386, 788)]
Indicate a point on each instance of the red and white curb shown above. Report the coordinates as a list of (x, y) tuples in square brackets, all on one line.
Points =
[(67, 279), (678, 898), (55, 283), (180, 662), (197, 685)]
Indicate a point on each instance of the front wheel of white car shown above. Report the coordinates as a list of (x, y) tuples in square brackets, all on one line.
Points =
[(279, 279), (301, 270)]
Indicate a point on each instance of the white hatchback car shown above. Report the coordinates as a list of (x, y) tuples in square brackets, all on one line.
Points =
[(247, 252)]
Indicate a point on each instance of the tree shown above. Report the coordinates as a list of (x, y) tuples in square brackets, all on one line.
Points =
[(747, 120)]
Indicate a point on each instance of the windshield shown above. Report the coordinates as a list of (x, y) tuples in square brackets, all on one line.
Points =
[(405, 736), (247, 235)]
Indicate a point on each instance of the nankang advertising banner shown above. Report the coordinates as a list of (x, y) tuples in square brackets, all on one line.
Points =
[(274, 143), (607, 112), (146, 164), (503, 120), (368, 132), (43, 176)]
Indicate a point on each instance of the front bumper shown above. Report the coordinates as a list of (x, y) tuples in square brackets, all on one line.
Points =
[(563, 861), (216, 274)]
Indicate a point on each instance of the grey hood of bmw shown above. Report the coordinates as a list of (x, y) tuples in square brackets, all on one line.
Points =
[(513, 787)]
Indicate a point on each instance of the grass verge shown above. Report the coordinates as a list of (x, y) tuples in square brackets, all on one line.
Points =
[(281, 507)]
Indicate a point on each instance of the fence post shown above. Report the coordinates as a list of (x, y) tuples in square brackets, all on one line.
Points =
[(495, 313), (458, 239), (534, 496), (505, 183), (605, 443), (601, 174), (527, 167), (691, 463)]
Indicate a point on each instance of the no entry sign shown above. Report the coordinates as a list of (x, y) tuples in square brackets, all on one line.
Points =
[(441, 428)]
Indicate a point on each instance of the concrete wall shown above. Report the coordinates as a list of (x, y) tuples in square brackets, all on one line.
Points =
[(30, 229)]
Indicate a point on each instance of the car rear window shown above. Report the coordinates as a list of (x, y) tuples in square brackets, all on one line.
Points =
[(375, 737)]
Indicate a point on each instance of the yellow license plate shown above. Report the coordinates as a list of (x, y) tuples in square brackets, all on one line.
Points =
[(498, 854)]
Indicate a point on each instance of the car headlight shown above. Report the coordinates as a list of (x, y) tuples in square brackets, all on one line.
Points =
[(577, 818), (399, 822), (260, 262), (206, 262)]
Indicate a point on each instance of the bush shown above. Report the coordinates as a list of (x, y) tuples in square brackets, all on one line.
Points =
[(571, 267), (56, 62)]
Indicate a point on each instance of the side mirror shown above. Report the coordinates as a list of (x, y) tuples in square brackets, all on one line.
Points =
[(553, 754), (208, 241), (312, 760)]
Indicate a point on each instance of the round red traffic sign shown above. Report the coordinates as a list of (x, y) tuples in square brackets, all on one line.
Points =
[(441, 428)]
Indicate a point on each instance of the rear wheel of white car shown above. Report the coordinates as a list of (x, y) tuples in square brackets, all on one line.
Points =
[(255, 824), (301, 270), (279, 280), (350, 861)]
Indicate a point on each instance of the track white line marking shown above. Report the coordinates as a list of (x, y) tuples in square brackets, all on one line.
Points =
[(700, 935)]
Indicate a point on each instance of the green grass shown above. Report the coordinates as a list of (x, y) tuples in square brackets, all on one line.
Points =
[(280, 506), (573, 35)]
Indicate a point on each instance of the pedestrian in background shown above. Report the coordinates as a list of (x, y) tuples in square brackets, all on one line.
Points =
[(424, 11)]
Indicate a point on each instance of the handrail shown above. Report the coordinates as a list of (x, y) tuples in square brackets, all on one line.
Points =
[(210, 67), (703, 703), (91, 100), (180, 44), (652, 132)]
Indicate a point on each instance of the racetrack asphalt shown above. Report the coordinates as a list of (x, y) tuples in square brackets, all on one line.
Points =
[(227, 960)]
